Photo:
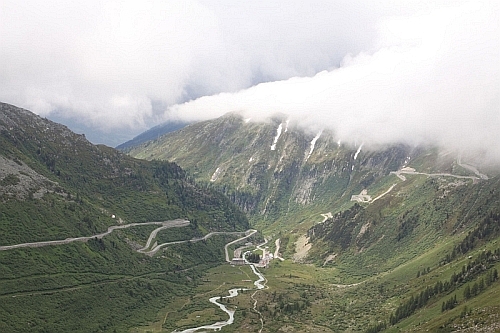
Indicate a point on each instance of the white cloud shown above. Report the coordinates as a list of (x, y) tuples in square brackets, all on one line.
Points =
[(79, 58), (412, 70), (435, 80)]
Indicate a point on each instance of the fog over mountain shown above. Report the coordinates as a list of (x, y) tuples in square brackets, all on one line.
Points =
[(435, 79), (418, 71)]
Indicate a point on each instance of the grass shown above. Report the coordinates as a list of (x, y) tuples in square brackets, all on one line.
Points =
[(325, 305), (195, 310)]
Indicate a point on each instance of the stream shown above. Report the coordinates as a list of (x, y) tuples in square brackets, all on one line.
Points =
[(232, 293)]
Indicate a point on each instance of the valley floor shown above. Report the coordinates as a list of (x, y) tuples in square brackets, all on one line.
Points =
[(307, 298)]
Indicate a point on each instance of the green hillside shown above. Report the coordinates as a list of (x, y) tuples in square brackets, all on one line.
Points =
[(237, 157), (56, 185)]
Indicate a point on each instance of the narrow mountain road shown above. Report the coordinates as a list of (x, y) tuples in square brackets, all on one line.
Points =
[(363, 197), (380, 196), (471, 168), (249, 233), (165, 224), (151, 237), (194, 240), (411, 171)]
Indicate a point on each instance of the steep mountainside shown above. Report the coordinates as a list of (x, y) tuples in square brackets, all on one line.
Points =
[(276, 172), (271, 169), (55, 185)]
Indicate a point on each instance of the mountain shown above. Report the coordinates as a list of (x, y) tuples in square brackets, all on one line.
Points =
[(272, 169), (152, 134), (56, 186), (96, 135), (397, 221)]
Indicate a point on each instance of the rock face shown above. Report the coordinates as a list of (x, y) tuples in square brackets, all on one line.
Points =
[(19, 181), (271, 168)]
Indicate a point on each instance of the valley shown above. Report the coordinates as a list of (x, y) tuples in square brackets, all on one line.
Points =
[(335, 238), (250, 166)]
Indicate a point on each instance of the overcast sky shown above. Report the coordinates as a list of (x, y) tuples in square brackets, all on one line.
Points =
[(374, 71)]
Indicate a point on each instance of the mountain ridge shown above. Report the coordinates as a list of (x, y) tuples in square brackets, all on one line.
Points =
[(282, 159)]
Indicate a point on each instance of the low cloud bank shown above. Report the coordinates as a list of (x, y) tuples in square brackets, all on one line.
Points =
[(109, 63), (433, 79)]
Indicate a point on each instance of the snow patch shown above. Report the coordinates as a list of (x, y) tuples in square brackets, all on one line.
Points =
[(247, 120), (313, 143), (286, 126), (215, 175), (357, 152), (278, 134)]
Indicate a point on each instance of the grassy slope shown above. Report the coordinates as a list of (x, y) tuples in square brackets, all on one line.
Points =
[(99, 285), (304, 298)]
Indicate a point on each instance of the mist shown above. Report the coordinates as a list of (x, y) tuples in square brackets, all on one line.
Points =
[(433, 80), (376, 72), (107, 64)]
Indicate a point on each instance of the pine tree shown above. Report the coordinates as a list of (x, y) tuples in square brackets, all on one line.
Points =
[(481, 285), (475, 289), (467, 293)]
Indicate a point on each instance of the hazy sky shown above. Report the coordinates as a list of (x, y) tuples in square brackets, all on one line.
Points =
[(374, 71)]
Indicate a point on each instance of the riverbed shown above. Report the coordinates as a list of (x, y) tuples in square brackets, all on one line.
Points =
[(259, 284)]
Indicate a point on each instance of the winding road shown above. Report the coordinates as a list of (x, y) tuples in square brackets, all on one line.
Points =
[(364, 197), (471, 168), (411, 171), (194, 240), (165, 224), (249, 233)]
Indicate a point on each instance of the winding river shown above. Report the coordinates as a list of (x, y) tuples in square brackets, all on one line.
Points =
[(232, 293)]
